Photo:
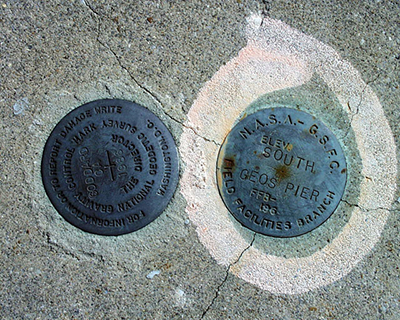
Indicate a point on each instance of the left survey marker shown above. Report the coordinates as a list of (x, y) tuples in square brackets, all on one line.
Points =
[(110, 167)]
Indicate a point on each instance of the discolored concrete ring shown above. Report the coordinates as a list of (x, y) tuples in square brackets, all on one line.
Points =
[(278, 57)]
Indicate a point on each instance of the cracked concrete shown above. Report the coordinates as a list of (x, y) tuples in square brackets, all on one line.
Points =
[(59, 55), (357, 108), (217, 291), (265, 12), (158, 101), (366, 209)]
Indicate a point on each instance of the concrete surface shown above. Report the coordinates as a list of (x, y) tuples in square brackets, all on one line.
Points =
[(57, 55)]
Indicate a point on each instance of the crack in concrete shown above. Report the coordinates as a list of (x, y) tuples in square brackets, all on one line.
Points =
[(152, 95), (365, 209), (155, 98), (54, 246), (76, 98), (87, 5), (108, 91), (97, 16), (226, 278), (358, 105), (190, 128), (146, 90), (199, 135), (265, 12), (354, 114)]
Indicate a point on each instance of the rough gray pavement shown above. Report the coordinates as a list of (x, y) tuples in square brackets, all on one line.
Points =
[(57, 55)]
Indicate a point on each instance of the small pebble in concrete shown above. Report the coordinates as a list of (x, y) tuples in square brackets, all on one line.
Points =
[(152, 274), (20, 106)]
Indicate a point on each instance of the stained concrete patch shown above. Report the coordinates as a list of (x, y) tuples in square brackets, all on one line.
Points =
[(277, 57)]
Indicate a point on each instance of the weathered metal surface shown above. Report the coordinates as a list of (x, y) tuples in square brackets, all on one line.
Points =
[(281, 172), (110, 167)]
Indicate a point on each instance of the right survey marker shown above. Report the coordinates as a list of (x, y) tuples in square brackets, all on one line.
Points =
[(281, 172)]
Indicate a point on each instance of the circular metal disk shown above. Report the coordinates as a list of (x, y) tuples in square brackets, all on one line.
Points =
[(110, 167), (281, 172)]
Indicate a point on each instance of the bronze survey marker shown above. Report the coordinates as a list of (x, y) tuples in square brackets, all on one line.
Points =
[(281, 172), (110, 167)]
